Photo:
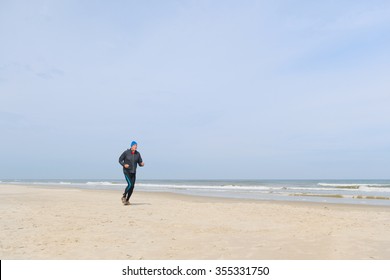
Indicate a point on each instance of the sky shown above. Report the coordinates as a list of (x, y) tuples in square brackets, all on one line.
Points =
[(209, 89)]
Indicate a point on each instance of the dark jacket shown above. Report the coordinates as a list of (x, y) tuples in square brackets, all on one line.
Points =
[(131, 159)]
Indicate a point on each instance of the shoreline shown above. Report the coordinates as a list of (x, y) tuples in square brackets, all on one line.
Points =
[(204, 198), (42, 222), (360, 192)]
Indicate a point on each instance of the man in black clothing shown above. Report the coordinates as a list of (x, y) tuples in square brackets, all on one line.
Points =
[(129, 160)]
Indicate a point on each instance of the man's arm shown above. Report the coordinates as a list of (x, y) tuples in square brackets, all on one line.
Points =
[(140, 161), (122, 158)]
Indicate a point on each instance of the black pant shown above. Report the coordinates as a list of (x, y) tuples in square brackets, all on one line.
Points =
[(130, 179)]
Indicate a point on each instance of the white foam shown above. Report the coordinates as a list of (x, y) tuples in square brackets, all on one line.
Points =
[(311, 189), (372, 189), (338, 185), (103, 183), (210, 187), (357, 186)]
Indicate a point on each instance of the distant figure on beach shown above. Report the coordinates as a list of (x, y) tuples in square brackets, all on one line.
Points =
[(129, 160)]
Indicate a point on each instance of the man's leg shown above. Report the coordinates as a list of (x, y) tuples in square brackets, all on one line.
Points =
[(132, 183), (128, 187)]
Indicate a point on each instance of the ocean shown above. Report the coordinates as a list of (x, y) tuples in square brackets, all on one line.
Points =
[(369, 192)]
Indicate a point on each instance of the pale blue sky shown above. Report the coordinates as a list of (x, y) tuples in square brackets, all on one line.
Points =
[(209, 89)]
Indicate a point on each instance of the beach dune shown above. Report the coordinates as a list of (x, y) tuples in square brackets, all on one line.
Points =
[(40, 222)]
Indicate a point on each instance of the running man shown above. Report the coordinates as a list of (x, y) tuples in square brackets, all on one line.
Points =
[(129, 160)]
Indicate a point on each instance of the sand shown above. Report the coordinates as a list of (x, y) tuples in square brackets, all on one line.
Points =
[(58, 223)]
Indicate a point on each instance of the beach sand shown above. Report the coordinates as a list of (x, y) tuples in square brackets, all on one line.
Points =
[(59, 223)]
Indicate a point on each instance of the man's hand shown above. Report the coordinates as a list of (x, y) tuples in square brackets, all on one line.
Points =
[(126, 166), (141, 164)]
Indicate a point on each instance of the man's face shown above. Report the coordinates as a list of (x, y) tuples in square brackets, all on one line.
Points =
[(133, 148)]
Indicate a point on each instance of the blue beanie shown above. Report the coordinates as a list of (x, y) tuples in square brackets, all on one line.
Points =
[(133, 143)]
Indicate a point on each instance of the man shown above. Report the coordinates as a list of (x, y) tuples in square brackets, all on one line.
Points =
[(129, 160)]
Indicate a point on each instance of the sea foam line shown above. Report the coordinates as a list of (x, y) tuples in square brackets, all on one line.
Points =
[(353, 185)]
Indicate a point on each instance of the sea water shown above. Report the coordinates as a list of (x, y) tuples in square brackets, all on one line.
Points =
[(370, 192)]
